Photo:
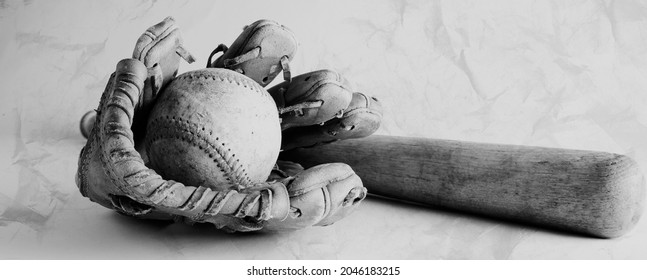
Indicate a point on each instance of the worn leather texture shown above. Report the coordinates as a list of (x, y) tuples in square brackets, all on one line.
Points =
[(258, 50), (324, 94), (319, 196), (160, 49), (216, 129), (360, 119), (320, 107), (112, 173)]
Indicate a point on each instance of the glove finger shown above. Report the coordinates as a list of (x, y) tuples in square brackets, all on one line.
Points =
[(160, 49), (260, 52), (362, 118), (311, 98), (159, 42), (321, 195)]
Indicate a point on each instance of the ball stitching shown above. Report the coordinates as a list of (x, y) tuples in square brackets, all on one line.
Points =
[(225, 77), (180, 129)]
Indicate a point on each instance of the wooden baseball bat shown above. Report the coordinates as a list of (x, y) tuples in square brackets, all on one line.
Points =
[(595, 193)]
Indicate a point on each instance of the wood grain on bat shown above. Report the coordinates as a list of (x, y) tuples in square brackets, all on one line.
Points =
[(595, 193)]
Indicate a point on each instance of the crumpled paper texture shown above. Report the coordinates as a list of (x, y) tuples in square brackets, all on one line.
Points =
[(568, 74)]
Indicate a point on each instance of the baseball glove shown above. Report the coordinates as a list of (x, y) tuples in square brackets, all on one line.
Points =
[(114, 165)]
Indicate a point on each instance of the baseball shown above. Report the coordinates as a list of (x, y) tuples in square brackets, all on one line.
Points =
[(214, 128)]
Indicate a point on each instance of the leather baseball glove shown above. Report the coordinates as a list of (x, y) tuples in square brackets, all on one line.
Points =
[(113, 166)]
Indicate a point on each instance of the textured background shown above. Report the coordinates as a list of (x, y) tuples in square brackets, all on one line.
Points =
[(567, 74)]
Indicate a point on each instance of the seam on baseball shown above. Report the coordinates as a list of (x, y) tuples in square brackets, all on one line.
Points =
[(191, 133), (228, 78)]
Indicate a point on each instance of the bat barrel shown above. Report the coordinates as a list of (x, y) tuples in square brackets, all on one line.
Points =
[(595, 193)]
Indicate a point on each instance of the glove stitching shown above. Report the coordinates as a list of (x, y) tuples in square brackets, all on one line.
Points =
[(218, 202), (196, 196), (91, 146), (165, 189), (88, 150)]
